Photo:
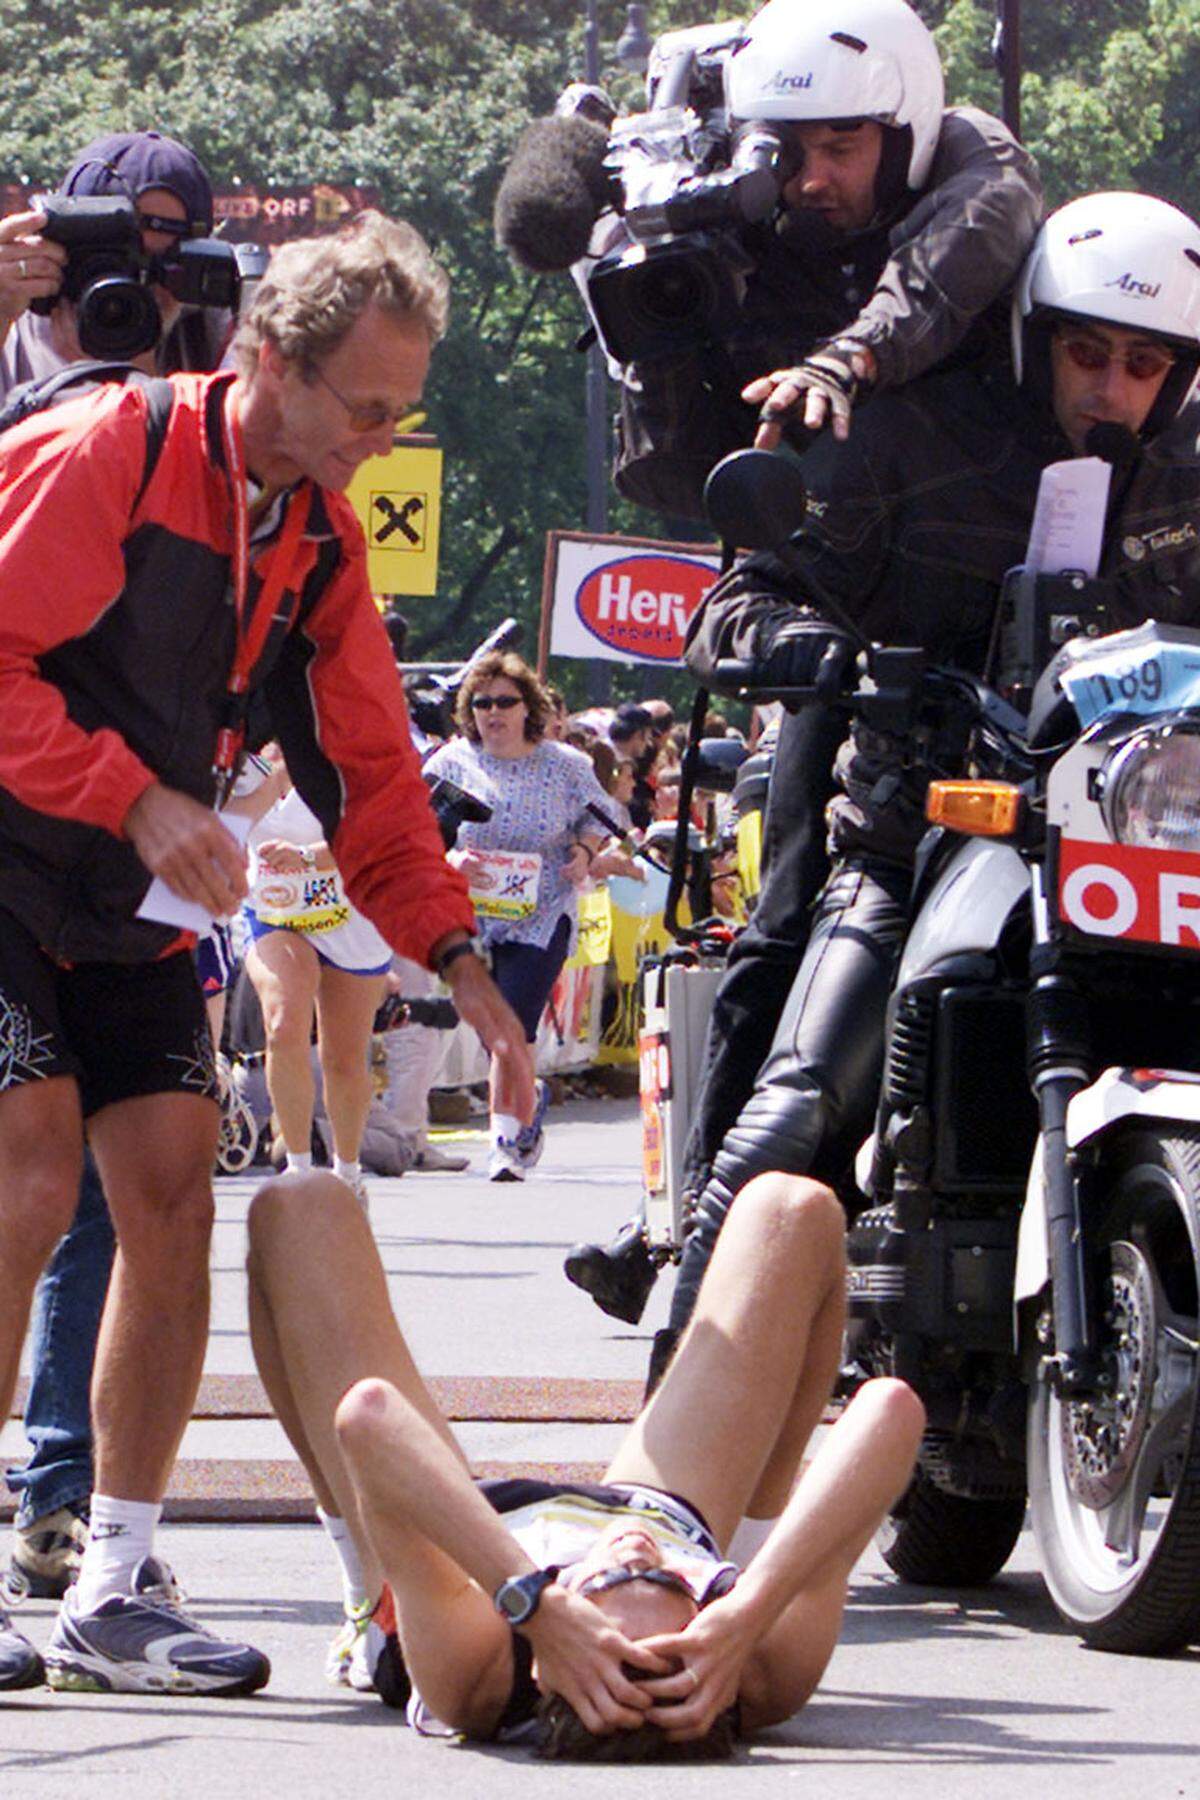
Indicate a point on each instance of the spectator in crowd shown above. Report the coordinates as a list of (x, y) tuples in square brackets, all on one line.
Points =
[(631, 734), (524, 865)]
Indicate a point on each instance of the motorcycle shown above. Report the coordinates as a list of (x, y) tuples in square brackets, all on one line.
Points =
[(1024, 1249)]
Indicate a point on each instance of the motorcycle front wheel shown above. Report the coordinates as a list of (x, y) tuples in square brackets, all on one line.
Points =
[(1114, 1481)]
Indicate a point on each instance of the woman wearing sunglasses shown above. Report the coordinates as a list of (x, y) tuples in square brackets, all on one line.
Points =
[(525, 864), (608, 1621)]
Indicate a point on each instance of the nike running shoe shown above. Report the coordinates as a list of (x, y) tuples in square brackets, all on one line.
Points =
[(504, 1164), (20, 1664), (339, 1656), (46, 1555), (144, 1643)]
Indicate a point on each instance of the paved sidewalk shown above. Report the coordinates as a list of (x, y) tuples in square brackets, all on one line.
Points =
[(973, 1695)]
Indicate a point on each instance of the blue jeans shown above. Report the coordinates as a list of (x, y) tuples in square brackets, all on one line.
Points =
[(65, 1324)]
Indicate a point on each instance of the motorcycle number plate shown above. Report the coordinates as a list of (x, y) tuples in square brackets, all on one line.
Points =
[(654, 1085), (1118, 891)]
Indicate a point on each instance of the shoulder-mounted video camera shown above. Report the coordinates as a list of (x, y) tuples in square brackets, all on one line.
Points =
[(109, 278), (686, 182), (678, 185)]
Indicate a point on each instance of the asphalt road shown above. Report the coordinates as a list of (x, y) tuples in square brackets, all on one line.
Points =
[(977, 1694)]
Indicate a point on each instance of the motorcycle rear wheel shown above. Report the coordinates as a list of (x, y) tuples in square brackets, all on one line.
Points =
[(1114, 1483), (936, 1539)]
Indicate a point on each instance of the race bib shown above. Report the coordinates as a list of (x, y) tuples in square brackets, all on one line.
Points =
[(507, 885), (310, 900)]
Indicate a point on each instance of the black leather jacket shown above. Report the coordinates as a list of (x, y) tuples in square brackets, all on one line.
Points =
[(912, 525)]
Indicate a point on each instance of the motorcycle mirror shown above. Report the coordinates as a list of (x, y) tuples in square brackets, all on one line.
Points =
[(717, 763), (755, 499)]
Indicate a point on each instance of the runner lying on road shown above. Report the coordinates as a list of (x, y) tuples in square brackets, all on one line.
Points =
[(605, 1614)]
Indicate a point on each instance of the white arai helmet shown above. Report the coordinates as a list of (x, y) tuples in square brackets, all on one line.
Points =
[(816, 60), (1119, 259)]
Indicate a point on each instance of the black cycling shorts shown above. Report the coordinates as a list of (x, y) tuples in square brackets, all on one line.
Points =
[(121, 1029)]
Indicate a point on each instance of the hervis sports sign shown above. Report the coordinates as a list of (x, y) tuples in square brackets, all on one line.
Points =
[(622, 599)]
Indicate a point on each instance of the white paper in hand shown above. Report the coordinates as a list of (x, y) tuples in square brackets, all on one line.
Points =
[(1068, 523), (163, 906)]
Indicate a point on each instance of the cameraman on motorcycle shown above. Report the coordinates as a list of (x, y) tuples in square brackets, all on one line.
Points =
[(911, 527), (902, 222)]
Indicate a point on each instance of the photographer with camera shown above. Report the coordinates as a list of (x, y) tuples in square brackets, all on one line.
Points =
[(891, 226), (149, 193), (148, 199)]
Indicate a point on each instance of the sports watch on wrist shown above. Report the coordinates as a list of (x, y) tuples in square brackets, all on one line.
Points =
[(517, 1599)]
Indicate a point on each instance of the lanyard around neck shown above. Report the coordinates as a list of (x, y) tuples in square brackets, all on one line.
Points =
[(251, 631)]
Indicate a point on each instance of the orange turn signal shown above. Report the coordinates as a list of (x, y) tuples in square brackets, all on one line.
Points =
[(976, 808)]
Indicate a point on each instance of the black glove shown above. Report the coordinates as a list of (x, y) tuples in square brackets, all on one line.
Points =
[(804, 653)]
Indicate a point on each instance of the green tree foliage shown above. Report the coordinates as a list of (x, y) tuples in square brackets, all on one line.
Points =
[(423, 100)]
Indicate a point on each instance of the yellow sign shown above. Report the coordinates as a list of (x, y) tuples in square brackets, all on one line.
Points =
[(398, 499)]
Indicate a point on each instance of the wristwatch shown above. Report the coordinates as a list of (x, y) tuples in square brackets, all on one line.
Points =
[(465, 947), (517, 1599)]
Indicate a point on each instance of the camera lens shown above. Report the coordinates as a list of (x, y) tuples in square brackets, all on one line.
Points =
[(117, 318)]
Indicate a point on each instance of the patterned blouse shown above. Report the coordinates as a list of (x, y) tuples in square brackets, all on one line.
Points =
[(539, 804)]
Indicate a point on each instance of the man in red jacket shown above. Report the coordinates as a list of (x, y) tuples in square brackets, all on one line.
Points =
[(139, 621)]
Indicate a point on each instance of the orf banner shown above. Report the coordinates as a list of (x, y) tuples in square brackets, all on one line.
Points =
[(621, 599)]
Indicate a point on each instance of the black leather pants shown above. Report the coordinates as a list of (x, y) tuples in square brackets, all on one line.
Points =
[(763, 962), (815, 1095)]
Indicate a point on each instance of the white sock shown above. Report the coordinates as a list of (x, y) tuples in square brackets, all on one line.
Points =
[(354, 1590), (299, 1162), (506, 1126), (349, 1172), (120, 1535), (749, 1539)]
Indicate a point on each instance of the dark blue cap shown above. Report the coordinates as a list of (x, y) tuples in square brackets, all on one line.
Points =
[(131, 162)]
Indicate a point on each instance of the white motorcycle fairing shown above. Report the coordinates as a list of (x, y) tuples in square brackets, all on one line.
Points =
[(967, 907), (1164, 1095)]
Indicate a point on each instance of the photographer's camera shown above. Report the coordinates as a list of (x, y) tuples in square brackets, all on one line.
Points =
[(110, 279)]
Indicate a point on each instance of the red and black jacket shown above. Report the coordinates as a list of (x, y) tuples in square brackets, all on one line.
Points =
[(117, 636)]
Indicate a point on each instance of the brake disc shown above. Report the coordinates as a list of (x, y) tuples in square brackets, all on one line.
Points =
[(1103, 1435)]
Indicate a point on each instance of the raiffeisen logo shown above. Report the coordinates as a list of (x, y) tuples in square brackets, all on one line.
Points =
[(1129, 284), (791, 84), (641, 605)]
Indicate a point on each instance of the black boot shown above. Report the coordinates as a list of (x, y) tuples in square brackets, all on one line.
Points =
[(618, 1276)]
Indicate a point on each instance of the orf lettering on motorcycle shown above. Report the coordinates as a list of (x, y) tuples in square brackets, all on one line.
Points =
[(1117, 891), (641, 605)]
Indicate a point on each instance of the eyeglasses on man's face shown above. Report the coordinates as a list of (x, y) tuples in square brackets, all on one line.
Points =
[(368, 415), (1141, 362)]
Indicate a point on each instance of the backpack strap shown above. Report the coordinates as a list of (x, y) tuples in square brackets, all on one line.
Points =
[(36, 396)]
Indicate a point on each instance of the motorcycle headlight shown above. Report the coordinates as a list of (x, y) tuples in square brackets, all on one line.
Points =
[(1151, 788)]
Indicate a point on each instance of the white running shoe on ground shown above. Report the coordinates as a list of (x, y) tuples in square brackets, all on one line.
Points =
[(339, 1658), (20, 1664), (144, 1643), (504, 1164)]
